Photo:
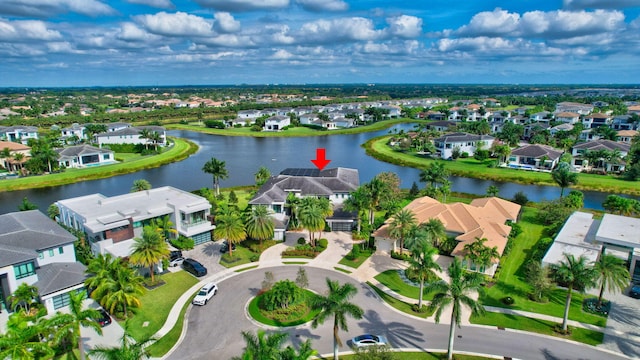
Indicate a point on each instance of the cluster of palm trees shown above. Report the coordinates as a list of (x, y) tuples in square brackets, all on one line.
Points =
[(153, 136), (235, 227), (479, 254), (598, 159)]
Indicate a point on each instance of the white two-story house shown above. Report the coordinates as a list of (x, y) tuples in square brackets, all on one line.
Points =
[(467, 143)]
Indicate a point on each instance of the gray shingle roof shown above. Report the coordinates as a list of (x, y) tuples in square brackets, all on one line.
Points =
[(59, 276), (27, 232), (536, 151), (603, 145), (308, 182), (460, 137), (79, 150)]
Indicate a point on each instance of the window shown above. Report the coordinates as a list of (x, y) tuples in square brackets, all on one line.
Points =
[(62, 300), (24, 270), (40, 255), (60, 250), (50, 252)]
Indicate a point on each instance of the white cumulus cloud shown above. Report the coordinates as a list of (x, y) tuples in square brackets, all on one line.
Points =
[(161, 4), (344, 29), (489, 23), (323, 5), (600, 4), (178, 24), (405, 26), (225, 23), (49, 8), (244, 5), (26, 30)]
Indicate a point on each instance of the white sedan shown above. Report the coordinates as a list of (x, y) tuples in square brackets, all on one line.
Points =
[(369, 340)]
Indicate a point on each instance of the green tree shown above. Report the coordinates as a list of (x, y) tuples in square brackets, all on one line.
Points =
[(336, 304), (23, 338), (140, 185), (281, 295), (423, 266), (262, 346), (217, 169), (493, 190), (301, 278), (262, 176), (575, 274), (538, 277), (435, 230), (165, 227), (456, 293), (120, 290), (434, 174), (312, 212), (612, 274), (259, 224), (401, 225), (145, 135), (480, 254), (375, 190), (129, 348), (27, 205), (23, 296), (564, 177), (67, 325), (229, 226), (149, 250), (358, 203), (53, 211)]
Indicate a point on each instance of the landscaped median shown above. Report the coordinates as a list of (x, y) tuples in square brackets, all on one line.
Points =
[(180, 150), (378, 148)]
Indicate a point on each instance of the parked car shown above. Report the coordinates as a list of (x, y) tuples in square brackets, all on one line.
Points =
[(175, 262), (635, 292), (368, 340), (206, 293), (225, 247), (194, 267), (104, 319), (174, 254)]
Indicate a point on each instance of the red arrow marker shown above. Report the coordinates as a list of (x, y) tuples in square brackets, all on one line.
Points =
[(320, 161)]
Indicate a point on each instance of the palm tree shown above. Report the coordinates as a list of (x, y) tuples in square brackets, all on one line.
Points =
[(564, 177), (129, 348), (305, 352), (217, 169), (376, 189), (612, 274), (434, 174), (262, 176), (401, 225), (358, 203), (120, 290), (140, 185), (149, 250), (574, 274), (336, 304), (229, 226), (262, 346), (99, 269), (481, 254), (155, 138), (164, 226), (436, 230), (311, 213), (23, 296), (23, 338), (493, 190), (67, 325), (144, 134), (455, 293), (422, 265), (259, 224), (27, 205), (292, 204)]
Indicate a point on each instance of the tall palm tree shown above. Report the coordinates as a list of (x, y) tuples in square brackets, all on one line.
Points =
[(574, 274), (164, 226), (455, 293), (129, 348), (144, 134), (140, 185), (23, 338), (229, 226), (120, 290), (262, 346), (358, 203), (217, 169), (376, 188), (434, 174), (149, 250), (259, 224), (311, 213), (564, 177), (612, 274), (155, 138), (481, 254), (292, 204), (67, 325), (422, 265), (401, 225), (262, 175), (336, 303), (436, 230), (99, 269)]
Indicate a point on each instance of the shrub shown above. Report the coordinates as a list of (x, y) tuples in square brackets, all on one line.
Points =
[(520, 198), (541, 248), (214, 124), (183, 243), (254, 258), (283, 294), (398, 256), (323, 243), (420, 310), (464, 155), (481, 155), (508, 300), (301, 241)]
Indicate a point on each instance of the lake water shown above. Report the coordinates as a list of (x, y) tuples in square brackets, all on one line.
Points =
[(245, 155)]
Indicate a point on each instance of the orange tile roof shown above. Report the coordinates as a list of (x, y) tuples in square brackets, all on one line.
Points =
[(13, 146)]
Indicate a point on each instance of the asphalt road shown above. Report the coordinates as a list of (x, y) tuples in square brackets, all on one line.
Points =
[(214, 330)]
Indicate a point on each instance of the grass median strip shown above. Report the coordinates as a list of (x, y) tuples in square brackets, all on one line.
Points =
[(165, 343), (392, 280), (397, 304)]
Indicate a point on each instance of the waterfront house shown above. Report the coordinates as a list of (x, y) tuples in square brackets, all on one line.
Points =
[(18, 133), (276, 123), (10, 163), (534, 156), (131, 135), (467, 143), (80, 156)]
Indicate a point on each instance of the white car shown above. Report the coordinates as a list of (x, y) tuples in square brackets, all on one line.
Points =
[(205, 294), (176, 262), (369, 340)]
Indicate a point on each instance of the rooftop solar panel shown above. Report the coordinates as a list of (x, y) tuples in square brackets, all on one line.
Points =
[(301, 172)]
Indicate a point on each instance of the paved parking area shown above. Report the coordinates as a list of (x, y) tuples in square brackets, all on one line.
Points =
[(207, 254), (623, 333)]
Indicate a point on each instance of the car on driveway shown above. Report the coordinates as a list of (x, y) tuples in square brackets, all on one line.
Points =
[(206, 293), (225, 247), (194, 267), (104, 319), (175, 262), (635, 292), (366, 340)]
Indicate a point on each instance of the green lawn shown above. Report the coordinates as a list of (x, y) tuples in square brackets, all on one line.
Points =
[(470, 167), (398, 304), (392, 280), (157, 303), (180, 150), (538, 326), (241, 255), (364, 255), (510, 280), (160, 347)]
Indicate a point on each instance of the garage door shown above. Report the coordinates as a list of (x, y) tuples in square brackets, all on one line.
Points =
[(341, 226)]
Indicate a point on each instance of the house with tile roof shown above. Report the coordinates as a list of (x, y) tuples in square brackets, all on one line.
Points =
[(10, 163), (535, 155), (335, 184), (484, 218), (567, 117), (37, 251), (80, 156), (579, 152)]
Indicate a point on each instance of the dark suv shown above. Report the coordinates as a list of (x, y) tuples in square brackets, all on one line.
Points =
[(194, 267)]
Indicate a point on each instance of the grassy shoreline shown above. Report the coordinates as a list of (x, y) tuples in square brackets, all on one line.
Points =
[(471, 168), (180, 150)]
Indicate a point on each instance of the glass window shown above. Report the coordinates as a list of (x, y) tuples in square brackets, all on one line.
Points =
[(60, 250), (40, 255), (24, 270), (51, 252)]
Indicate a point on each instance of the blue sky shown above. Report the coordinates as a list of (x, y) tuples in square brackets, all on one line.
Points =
[(219, 42)]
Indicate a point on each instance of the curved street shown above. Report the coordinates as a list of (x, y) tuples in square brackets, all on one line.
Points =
[(214, 331)]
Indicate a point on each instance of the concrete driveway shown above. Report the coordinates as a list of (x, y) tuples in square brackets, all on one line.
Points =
[(207, 254), (623, 334)]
